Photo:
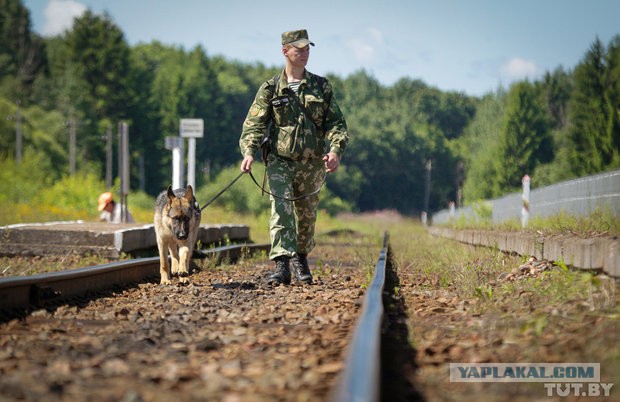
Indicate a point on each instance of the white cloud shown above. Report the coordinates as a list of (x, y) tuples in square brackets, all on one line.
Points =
[(517, 69), (364, 46), (59, 15), (362, 51), (375, 36)]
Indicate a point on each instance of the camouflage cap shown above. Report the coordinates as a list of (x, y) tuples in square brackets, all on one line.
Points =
[(297, 38)]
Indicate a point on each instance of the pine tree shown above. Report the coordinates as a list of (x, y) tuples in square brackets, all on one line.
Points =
[(525, 138), (589, 114)]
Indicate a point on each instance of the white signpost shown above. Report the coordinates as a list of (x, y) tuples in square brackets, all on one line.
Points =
[(191, 129), (175, 144)]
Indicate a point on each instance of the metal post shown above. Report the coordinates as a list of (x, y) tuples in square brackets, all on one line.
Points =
[(18, 133), (191, 162), (108, 158), (142, 173), (525, 209), (459, 184), (72, 146), (427, 191), (123, 165)]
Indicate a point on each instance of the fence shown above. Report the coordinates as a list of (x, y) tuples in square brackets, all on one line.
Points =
[(576, 197)]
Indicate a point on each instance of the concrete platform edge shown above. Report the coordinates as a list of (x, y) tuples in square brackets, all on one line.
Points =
[(601, 254)]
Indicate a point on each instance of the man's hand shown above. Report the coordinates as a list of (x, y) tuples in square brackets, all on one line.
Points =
[(332, 161), (246, 164)]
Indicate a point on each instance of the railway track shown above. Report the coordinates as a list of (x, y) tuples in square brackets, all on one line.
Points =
[(111, 332)]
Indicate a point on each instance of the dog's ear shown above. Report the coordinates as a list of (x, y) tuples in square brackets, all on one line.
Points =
[(171, 195), (189, 193)]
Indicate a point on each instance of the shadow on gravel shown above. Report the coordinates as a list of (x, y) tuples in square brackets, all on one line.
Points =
[(398, 365), (235, 285), (49, 300)]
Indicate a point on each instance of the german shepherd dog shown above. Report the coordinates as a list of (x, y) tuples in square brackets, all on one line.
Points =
[(177, 220)]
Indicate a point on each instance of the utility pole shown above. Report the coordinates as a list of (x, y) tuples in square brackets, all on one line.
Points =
[(72, 146), (427, 191), (108, 158), (142, 172), (18, 134), (123, 167)]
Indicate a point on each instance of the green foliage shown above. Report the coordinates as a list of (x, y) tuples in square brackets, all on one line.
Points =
[(79, 191), (22, 54), (594, 134), (30, 195), (98, 46), (243, 196), (21, 183), (481, 144), (525, 140)]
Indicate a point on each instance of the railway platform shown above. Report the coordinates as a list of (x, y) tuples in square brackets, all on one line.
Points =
[(100, 238), (596, 254)]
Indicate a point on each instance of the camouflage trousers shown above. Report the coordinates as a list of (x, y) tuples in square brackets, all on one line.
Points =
[(291, 225)]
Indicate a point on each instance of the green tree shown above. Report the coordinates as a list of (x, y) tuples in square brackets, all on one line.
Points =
[(99, 56), (591, 115), (612, 98), (557, 87), (22, 53), (99, 47), (525, 141), (480, 147)]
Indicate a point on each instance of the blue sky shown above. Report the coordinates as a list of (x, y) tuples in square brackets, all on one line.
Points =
[(473, 46)]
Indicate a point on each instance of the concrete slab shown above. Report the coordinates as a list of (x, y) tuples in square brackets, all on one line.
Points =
[(598, 253), (100, 238)]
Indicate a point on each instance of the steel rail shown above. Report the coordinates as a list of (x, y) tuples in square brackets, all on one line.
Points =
[(360, 380), (25, 292)]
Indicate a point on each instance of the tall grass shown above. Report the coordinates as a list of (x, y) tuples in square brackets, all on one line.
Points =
[(598, 223)]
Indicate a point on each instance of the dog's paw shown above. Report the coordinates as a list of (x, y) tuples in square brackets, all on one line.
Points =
[(184, 280), (165, 281)]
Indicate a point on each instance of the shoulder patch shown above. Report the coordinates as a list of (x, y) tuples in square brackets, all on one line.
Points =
[(255, 110)]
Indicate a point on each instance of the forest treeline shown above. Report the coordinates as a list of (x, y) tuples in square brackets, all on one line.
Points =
[(88, 79)]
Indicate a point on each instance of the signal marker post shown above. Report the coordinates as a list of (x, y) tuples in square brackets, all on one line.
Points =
[(191, 129), (175, 144)]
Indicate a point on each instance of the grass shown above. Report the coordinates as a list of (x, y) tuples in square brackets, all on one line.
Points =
[(598, 223)]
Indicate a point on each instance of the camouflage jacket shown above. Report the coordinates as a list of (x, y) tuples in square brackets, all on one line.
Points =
[(293, 135)]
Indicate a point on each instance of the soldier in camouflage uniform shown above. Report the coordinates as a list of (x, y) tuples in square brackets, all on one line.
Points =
[(303, 117)]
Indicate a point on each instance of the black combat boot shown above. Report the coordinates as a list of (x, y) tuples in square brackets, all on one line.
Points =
[(282, 273), (300, 266)]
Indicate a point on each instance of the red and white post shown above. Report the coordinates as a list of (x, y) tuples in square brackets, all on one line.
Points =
[(525, 209)]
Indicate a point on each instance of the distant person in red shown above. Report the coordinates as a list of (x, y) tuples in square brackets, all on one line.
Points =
[(110, 211)]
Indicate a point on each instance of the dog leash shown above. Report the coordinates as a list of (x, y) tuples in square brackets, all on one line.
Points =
[(301, 197), (222, 191)]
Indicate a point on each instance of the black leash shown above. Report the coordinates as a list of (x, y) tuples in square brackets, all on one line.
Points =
[(301, 197), (221, 192), (263, 190)]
